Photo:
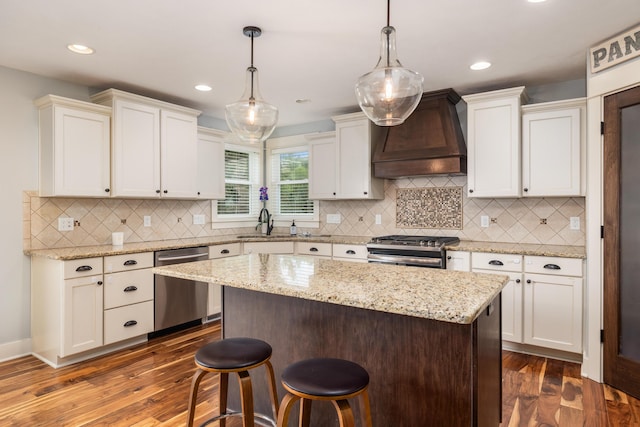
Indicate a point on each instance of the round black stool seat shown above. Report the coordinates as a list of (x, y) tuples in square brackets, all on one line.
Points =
[(325, 377), (233, 353)]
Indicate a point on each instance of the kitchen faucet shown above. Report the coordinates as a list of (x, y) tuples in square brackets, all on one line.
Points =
[(265, 218)]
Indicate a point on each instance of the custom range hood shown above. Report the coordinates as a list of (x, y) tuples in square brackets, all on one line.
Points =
[(429, 142)]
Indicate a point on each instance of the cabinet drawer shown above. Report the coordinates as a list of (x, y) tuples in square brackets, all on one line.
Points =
[(128, 287), (128, 322), (222, 251), (497, 262), (82, 267), (268, 248), (553, 265), (126, 262), (313, 248), (358, 252)]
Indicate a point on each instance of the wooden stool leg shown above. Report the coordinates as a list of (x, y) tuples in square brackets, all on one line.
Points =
[(345, 414), (366, 409), (285, 409), (223, 390), (193, 395), (246, 397), (305, 412), (273, 392)]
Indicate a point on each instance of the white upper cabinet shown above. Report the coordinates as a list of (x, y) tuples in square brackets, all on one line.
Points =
[(493, 143), (210, 171), (340, 163), (154, 147), (552, 140), (322, 165), (73, 147)]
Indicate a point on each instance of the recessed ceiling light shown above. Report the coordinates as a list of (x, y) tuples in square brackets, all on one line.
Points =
[(480, 65), (303, 101), (536, 1), (203, 88), (80, 48)]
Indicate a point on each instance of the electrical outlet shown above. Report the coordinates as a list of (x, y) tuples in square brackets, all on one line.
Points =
[(484, 221), (198, 219), (65, 224), (147, 220), (378, 219), (574, 223)]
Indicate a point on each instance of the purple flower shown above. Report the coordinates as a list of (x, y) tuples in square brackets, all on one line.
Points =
[(263, 194)]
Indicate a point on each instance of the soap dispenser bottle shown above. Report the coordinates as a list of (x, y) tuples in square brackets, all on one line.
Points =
[(293, 229)]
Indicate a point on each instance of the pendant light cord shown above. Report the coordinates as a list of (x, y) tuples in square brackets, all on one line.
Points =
[(252, 67), (388, 25)]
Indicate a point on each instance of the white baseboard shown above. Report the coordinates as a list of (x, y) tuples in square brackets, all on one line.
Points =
[(15, 349)]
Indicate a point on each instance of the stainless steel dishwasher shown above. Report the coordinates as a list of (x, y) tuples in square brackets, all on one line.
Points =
[(179, 301)]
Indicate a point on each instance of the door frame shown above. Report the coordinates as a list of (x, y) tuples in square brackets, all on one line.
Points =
[(615, 79)]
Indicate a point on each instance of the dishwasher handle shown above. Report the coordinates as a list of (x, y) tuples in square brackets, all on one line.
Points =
[(180, 257)]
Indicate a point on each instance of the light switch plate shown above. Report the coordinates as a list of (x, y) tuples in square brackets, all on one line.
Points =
[(574, 223), (198, 219), (334, 219), (147, 220), (484, 221), (378, 219)]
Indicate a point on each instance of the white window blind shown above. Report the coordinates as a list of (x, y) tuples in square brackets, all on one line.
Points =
[(241, 184), (290, 178)]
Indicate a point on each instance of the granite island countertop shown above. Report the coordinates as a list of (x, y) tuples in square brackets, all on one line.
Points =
[(449, 296), (519, 249)]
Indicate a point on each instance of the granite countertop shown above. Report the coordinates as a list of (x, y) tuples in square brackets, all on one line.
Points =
[(520, 248), (158, 245), (449, 296)]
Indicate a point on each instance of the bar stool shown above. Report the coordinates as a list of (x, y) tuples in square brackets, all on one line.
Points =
[(325, 379), (227, 356)]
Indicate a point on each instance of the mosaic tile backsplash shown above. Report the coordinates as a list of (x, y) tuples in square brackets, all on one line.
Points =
[(516, 220), (429, 207)]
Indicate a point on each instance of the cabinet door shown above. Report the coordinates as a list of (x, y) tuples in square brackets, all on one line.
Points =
[(210, 180), (354, 159), (493, 144), (135, 150), (214, 302), (551, 153), (512, 309), (82, 315), (179, 154), (322, 168), (458, 261), (553, 312), (74, 153)]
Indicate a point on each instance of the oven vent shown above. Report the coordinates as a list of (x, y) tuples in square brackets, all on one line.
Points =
[(429, 142)]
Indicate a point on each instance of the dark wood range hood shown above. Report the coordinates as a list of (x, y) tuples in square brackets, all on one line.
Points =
[(429, 142)]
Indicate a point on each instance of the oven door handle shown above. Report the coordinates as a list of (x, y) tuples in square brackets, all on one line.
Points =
[(399, 259)]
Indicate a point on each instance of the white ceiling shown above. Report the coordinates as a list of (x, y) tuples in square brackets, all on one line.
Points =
[(309, 49)]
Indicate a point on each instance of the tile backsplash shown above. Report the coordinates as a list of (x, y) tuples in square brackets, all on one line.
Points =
[(516, 220)]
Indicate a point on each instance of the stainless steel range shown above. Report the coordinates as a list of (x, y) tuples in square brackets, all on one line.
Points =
[(419, 251)]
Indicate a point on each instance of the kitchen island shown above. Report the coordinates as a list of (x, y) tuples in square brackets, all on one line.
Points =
[(429, 338)]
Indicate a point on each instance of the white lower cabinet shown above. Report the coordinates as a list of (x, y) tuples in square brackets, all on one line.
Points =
[(214, 298), (128, 296), (66, 307), (458, 261), (553, 303), (542, 302), (346, 252), (314, 248)]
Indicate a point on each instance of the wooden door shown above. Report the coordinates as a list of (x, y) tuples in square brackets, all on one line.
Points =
[(622, 241)]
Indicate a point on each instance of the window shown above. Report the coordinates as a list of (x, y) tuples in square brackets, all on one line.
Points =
[(290, 184), (241, 175)]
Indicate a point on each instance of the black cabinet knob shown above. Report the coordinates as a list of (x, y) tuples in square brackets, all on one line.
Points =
[(165, 191), (517, 280), (526, 189), (528, 280), (99, 283), (106, 190), (158, 191), (470, 190)]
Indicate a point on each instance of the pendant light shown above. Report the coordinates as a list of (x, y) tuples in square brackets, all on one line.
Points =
[(389, 93), (251, 119)]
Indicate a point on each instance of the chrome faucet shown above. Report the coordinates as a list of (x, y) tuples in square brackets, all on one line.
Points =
[(265, 218)]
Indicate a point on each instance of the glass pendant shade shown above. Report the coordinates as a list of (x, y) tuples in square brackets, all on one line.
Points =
[(389, 93), (251, 119)]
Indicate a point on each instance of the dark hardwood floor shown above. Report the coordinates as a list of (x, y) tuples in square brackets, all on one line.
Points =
[(148, 385)]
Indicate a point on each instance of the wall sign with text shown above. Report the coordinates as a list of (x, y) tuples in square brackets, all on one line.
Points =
[(616, 50)]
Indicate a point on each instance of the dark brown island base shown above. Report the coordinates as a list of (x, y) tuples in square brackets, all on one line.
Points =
[(430, 339)]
